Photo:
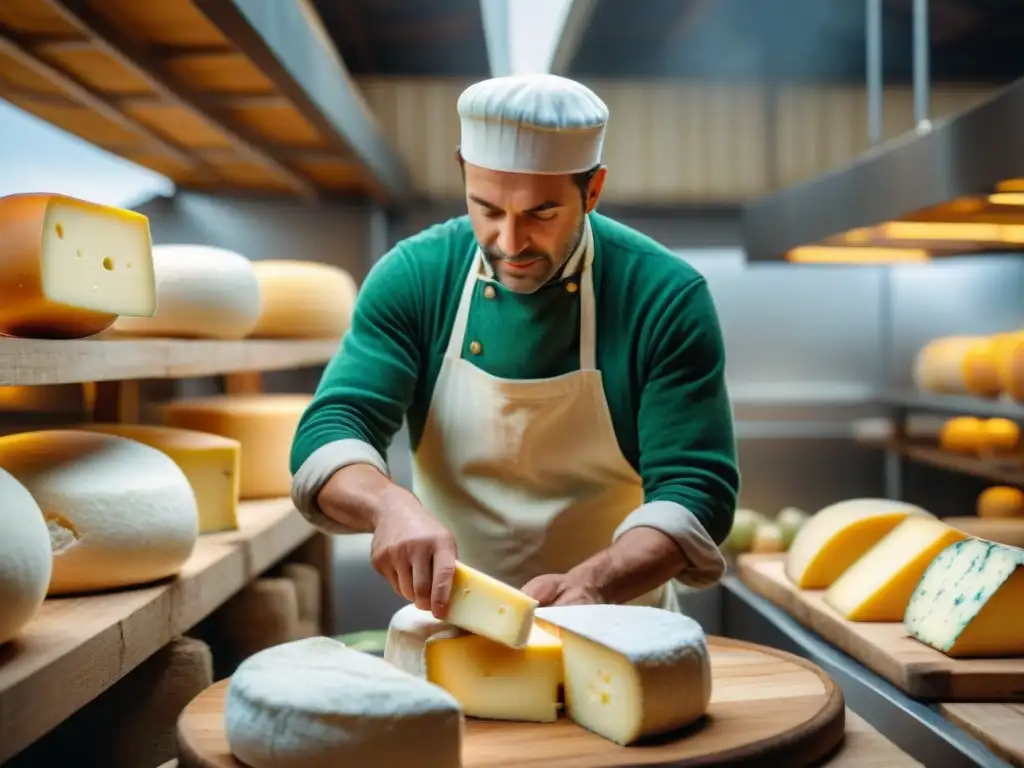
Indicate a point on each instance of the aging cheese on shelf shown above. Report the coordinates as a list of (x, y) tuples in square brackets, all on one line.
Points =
[(210, 462), (968, 602), (315, 703), (630, 671), (1001, 435), (1011, 368), (833, 539), (485, 606), (119, 513), (201, 292), (264, 425), (1001, 501), (768, 537), (25, 558), (304, 299), (489, 680), (878, 586), (963, 434), (68, 268)]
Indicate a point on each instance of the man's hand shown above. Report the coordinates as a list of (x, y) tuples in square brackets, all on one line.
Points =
[(562, 589), (416, 554)]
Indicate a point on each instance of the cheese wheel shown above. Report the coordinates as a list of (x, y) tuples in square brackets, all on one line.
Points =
[(1011, 369), (316, 704), (1000, 435), (306, 579), (264, 425), (68, 268), (1001, 501), (304, 299), (947, 364), (201, 292), (25, 558), (119, 513), (265, 613), (768, 538), (963, 434)]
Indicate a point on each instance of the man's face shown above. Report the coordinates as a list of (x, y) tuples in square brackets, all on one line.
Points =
[(527, 225)]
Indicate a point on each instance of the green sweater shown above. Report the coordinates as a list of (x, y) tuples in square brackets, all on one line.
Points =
[(659, 348)]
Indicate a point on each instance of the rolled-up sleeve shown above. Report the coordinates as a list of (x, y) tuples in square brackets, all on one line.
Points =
[(365, 390), (687, 446)]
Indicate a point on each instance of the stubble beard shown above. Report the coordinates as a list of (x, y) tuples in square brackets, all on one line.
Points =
[(532, 283)]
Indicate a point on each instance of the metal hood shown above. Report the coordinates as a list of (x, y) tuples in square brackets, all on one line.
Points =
[(952, 188)]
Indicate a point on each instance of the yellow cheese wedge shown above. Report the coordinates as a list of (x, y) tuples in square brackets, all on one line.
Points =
[(968, 602), (485, 606), (1001, 501), (963, 434), (303, 299), (878, 586), (68, 268), (210, 462), (833, 539), (263, 424), (493, 681)]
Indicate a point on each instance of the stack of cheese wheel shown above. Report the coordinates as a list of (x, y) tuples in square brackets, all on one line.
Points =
[(68, 267), (303, 300), (201, 292), (967, 434), (983, 366)]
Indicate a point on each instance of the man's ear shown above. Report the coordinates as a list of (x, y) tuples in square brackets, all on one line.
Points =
[(594, 187)]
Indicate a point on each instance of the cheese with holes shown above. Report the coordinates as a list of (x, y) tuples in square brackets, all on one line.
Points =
[(25, 559), (1001, 501), (264, 425), (68, 267), (485, 606), (304, 299), (489, 680), (631, 671), (119, 513), (968, 602), (878, 586), (201, 292), (833, 539), (963, 434), (210, 462), (316, 703)]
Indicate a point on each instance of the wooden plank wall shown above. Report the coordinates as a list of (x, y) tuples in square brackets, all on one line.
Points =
[(676, 142)]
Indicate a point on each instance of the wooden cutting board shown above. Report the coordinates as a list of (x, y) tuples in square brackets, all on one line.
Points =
[(1000, 530), (1000, 727), (885, 648), (768, 707)]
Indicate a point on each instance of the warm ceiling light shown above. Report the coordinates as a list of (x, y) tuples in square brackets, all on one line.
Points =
[(965, 232), (1010, 185), (1007, 198), (813, 254)]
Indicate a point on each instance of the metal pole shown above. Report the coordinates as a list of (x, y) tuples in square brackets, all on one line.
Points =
[(922, 75), (874, 69)]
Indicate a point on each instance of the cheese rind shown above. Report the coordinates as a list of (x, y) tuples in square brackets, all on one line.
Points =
[(264, 425), (315, 703), (201, 292), (119, 513), (631, 671), (878, 586), (25, 558), (833, 539), (968, 602), (409, 631), (68, 267), (485, 606), (211, 463), (303, 299)]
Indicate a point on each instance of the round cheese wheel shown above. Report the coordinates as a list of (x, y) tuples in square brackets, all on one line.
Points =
[(316, 702), (1011, 369), (119, 513), (955, 365), (1001, 501), (963, 433), (304, 299), (201, 292), (1001, 434), (25, 557)]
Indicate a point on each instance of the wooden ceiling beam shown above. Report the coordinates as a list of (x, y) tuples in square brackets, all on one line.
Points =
[(131, 55)]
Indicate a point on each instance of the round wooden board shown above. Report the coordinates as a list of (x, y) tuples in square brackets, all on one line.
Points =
[(768, 707)]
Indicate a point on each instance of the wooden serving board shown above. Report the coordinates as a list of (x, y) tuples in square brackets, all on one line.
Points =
[(768, 707), (885, 648), (1000, 530), (1000, 727)]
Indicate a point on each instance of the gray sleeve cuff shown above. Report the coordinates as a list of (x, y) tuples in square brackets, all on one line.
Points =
[(705, 564), (320, 467)]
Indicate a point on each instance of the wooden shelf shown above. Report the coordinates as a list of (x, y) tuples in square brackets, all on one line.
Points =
[(75, 648), (1008, 471), (958, 406), (35, 361), (1000, 727)]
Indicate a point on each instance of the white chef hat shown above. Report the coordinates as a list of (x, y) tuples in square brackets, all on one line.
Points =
[(532, 124)]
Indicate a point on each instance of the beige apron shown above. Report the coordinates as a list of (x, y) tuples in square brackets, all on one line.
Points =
[(527, 474)]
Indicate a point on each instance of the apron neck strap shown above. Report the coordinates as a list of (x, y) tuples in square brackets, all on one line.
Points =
[(588, 322)]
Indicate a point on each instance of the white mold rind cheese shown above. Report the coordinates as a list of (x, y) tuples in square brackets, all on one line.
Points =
[(408, 633), (315, 703), (119, 513), (25, 559)]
